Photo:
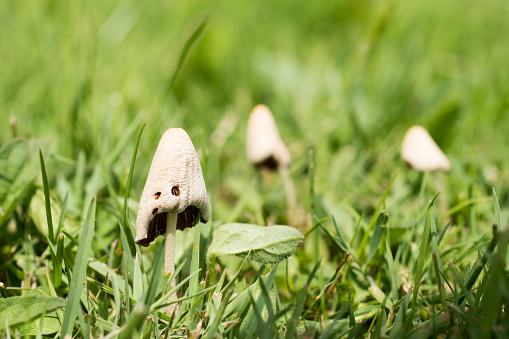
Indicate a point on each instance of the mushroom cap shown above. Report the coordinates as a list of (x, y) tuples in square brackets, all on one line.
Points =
[(421, 152), (264, 144), (174, 185)]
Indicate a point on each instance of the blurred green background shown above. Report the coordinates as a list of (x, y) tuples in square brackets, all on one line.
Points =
[(343, 78)]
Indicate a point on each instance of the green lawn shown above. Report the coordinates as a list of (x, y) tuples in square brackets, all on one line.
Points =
[(344, 80)]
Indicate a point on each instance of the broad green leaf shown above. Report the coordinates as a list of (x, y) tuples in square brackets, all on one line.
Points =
[(17, 172), (16, 311), (51, 324), (265, 245)]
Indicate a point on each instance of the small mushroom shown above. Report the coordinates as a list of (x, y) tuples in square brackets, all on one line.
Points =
[(174, 196), (266, 149), (421, 152), (264, 145)]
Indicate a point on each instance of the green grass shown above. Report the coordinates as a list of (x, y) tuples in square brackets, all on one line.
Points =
[(344, 79)]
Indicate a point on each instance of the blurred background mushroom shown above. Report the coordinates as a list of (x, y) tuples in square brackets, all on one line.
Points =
[(267, 151), (421, 152)]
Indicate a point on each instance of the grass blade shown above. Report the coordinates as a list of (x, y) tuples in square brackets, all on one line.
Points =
[(47, 200), (80, 268), (125, 216), (399, 328), (187, 47), (422, 252), (377, 235), (392, 271)]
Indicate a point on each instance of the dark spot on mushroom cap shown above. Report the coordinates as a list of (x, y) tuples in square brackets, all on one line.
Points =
[(157, 226), (270, 163), (175, 191)]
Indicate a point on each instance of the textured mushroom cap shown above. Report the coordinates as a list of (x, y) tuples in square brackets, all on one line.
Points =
[(264, 144), (421, 152), (174, 184)]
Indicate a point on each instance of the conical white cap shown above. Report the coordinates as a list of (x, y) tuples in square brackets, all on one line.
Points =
[(421, 152), (264, 144), (174, 185)]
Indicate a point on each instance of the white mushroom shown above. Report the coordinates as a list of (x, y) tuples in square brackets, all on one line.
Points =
[(266, 149), (421, 152), (264, 145), (174, 195)]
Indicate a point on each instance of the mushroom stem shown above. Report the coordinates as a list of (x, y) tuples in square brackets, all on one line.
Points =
[(169, 256)]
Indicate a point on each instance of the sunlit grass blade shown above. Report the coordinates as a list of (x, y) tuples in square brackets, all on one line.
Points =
[(79, 180), (47, 200), (70, 237), (392, 271), (193, 315), (139, 314), (128, 269), (496, 209), (116, 298), (125, 214), (422, 251), (137, 279), (215, 326), (57, 270), (187, 47), (436, 254), (80, 269)]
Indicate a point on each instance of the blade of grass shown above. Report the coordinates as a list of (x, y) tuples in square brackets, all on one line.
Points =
[(438, 274), (187, 47), (139, 315), (351, 317), (80, 269), (376, 239), (375, 217), (292, 326), (196, 304), (326, 288), (399, 328), (58, 261), (62, 214), (214, 327), (496, 209), (47, 201), (128, 270), (392, 271), (422, 252), (125, 216), (436, 254)]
